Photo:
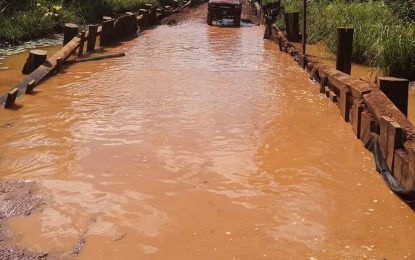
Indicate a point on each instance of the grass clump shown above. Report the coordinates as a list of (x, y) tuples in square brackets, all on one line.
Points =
[(325, 17), (29, 19), (30, 24), (396, 54), (383, 37)]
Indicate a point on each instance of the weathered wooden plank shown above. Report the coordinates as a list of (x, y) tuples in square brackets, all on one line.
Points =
[(44, 70), (398, 164), (356, 119), (95, 58), (327, 91), (11, 98), (408, 181), (332, 96), (394, 142), (383, 137), (367, 126), (344, 103), (323, 85)]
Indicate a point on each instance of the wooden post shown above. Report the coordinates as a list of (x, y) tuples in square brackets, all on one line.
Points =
[(323, 84), (92, 38), (175, 4), (153, 14), (35, 59), (287, 25), (167, 10), (291, 25), (107, 31), (144, 22), (280, 42), (397, 91), (304, 40), (81, 44), (106, 18), (59, 63), (69, 32), (11, 98), (125, 26), (344, 49), (30, 86), (333, 96), (132, 25), (160, 10), (148, 6)]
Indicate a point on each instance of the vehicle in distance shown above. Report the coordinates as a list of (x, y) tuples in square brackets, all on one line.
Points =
[(220, 9)]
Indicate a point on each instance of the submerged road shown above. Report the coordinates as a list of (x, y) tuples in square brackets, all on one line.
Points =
[(202, 143)]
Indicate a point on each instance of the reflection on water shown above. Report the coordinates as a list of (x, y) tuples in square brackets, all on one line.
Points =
[(203, 142)]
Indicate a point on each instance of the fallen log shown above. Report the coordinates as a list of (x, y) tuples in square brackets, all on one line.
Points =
[(95, 58)]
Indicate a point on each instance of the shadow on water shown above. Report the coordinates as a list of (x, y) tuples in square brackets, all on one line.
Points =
[(16, 107)]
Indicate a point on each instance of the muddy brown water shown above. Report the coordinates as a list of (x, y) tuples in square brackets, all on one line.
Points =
[(202, 143)]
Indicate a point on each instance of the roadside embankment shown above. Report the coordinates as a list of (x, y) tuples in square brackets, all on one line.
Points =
[(27, 20)]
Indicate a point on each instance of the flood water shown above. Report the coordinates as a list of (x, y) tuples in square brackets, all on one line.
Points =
[(202, 143)]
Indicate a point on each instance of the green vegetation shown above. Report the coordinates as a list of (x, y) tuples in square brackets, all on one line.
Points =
[(384, 34), (27, 19), (404, 9)]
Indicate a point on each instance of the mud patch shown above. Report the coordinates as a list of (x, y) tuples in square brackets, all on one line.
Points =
[(17, 198), (21, 254), (4, 232)]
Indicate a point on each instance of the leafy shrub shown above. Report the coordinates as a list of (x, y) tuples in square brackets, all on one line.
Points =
[(381, 39), (28, 19), (405, 9), (396, 56)]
